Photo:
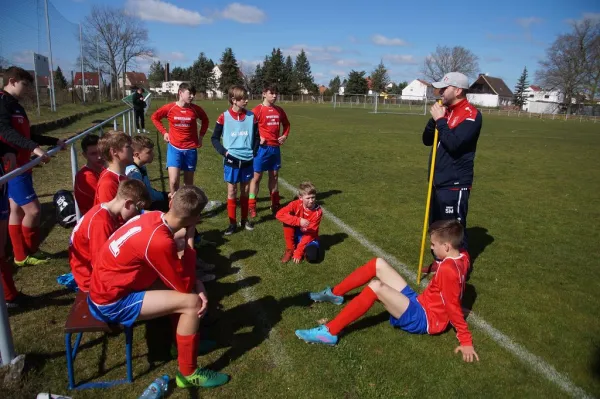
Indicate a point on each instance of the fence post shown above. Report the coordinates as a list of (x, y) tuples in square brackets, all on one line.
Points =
[(123, 122), (7, 348), (115, 123), (74, 172)]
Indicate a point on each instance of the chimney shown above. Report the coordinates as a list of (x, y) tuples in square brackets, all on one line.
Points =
[(167, 72)]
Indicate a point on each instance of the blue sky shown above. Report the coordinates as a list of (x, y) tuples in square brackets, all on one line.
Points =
[(340, 36)]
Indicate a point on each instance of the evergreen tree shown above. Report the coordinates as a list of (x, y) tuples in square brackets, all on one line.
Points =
[(303, 73), (334, 85), (60, 82), (522, 84), (379, 78), (230, 71), (201, 74), (256, 84), (357, 83), (179, 73), (274, 70), (156, 74), (291, 81)]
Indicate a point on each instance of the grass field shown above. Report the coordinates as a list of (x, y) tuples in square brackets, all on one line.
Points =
[(533, 223)]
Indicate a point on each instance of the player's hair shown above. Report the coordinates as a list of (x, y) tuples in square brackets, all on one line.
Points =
[(237, 93), (272, 87), (448, 231), (186, 86), (18, 74), (188, 201), (136, 191), (139, 142), (88, 141), (113, 140), (306, 188)]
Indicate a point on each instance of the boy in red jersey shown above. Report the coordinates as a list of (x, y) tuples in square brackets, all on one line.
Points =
[(25, 208), (115, 148), (86, 179), (182, 136), (239, 131), (143, 253), (96, 226), (301, 219), (427, 313), (270, 119)]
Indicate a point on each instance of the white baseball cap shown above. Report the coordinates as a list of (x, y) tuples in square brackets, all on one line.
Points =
[(455, 79)]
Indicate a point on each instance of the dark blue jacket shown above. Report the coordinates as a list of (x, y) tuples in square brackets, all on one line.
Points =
[(458, 133)]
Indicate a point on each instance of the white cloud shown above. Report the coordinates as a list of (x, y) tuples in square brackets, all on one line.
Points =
[(23, 57), (381, 40), (528, 22), (243, 14), (162, 11), (400, 59)]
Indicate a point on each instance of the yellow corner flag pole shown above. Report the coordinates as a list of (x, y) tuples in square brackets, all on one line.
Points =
[(427, 204)]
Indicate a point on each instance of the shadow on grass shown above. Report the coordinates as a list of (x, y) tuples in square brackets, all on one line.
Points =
[(479, 239), (326, 194), (596, 362), (329, 240), (60, 297), (47, 220), (159, 157)]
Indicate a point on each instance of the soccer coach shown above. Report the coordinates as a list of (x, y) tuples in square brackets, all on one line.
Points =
[(458, 124)]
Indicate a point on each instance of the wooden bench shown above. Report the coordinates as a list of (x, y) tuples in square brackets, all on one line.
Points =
[(80, 320)]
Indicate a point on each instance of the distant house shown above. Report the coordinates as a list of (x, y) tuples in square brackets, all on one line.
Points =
[(133, 79), (322, 89), (417, 90), (215, 92), (170, 87), (488, 91), (42, 81), (91, 80), (540, 101)]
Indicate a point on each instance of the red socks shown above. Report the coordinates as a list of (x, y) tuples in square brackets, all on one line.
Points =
[(357, 278), (288, 235), (31, 236), (252, 203), (275, 198), (231, 209), (244, 201), (187, 353), (355, 309), (10, 291), (18, 242)]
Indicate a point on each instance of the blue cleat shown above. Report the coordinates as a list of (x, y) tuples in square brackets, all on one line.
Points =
[(317, 335), (326, 296)]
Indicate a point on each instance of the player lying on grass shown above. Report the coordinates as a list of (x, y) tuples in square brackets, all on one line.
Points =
[(427, 313)]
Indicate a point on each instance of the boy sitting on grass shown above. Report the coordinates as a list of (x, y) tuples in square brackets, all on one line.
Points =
[(427, 313), (301, 219)]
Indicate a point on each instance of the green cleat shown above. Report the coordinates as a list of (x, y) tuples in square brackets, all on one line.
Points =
[(201, 378), (36, 259)]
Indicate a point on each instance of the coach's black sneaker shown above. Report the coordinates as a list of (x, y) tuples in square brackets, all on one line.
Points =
[(231, 229), (247, 224)]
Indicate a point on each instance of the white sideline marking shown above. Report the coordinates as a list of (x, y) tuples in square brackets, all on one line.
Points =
[(276, 349), (528, 358)]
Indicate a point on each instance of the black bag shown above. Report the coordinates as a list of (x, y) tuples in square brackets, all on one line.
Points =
[(64, 205)]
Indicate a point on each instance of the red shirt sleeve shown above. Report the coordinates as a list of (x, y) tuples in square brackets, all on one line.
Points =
[(256, 111), (203, 119), (221, 119), (85, 189), (285, 122), (106, 191), (162, 257), (159, 115), (451, 290), (287, 214)]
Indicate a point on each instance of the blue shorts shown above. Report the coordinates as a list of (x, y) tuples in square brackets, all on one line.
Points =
[(414, 319), (182, 159), (298, 236), (267, 158), (20, 189), (125, 311), (237, 175)]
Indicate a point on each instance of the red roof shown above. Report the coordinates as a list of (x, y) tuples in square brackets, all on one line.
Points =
[(535, 88), (91, 79), (137, 78), (369, 83)]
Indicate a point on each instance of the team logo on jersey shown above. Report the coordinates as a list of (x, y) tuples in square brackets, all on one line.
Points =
[(240, 133)]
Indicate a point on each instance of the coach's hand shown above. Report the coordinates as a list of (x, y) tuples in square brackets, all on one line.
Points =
[(61, 144), (468, 353), (166, 137), (437, 111)]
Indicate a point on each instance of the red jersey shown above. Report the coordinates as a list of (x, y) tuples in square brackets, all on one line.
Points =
[(138, 253), (89, 235), (183, 128), (291, 214), (108, 185), (86, 181), (441, 299), (270, 119)]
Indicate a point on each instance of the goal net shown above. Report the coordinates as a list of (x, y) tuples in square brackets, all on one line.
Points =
[(365, 101), (401, 105)]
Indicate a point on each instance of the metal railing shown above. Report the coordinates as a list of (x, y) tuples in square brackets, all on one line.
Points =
[(7, 351)]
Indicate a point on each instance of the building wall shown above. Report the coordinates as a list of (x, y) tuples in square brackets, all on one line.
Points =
[(539, 107), (416, 90), (483, 100)]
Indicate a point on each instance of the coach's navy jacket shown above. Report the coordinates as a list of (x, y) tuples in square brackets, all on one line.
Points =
[(458, 133)]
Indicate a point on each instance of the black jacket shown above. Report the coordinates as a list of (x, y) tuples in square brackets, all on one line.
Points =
[(138, 101)]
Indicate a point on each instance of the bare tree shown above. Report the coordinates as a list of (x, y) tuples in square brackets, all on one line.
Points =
[(248, 70), (121, 39), (571, 64), (446, 59)]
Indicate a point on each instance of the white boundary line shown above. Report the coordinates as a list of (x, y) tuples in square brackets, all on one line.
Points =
[(528, 358)]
